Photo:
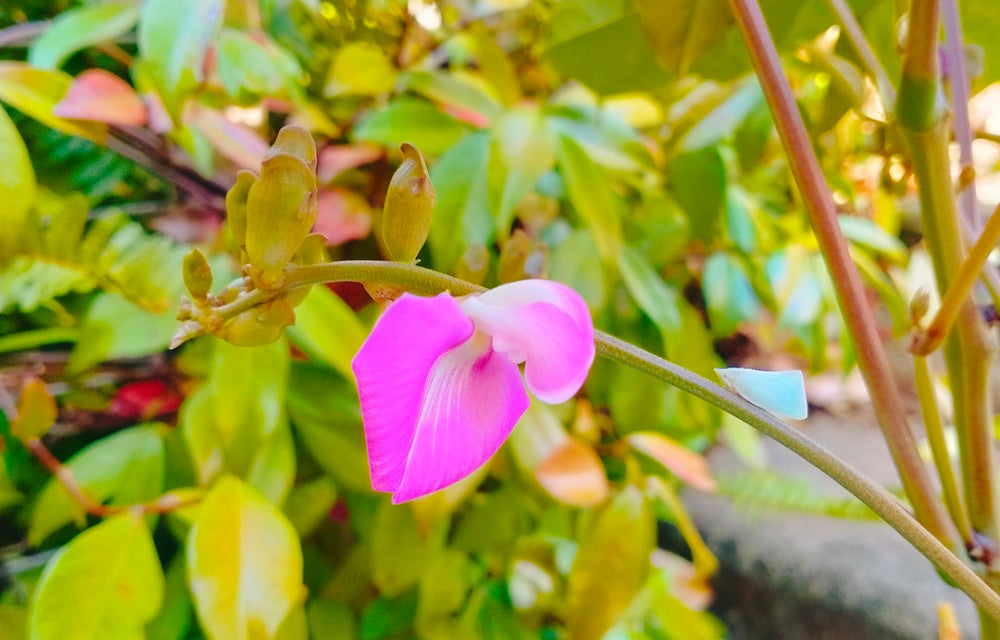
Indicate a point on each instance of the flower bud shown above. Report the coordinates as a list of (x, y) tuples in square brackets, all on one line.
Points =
[(197, 274), (474, 264), (236, 206), (522, 257), (409, 203), (260, 325), (919, 305)]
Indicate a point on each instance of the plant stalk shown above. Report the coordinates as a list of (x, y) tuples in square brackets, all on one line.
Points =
[(858, 318)]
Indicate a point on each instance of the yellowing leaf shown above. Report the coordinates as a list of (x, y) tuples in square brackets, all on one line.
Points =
[(106, 584), (683, 463), (573, 474), (17, 182), (610, 566), (36, 411), (362, 69), (102, 97), (35, 92), (244, 563), (327, 329)]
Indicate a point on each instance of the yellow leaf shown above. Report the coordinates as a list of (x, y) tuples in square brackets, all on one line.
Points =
[(687, 465), (573, 474), (36, 411), (244, 563)]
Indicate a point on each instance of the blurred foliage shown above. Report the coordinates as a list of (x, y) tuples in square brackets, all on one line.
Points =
[(620, 147)]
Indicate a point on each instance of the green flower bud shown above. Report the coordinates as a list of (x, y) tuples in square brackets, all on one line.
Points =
[(294, 141), (474, 264), (409, 203), (236, 205), (281, 209), (522, 257), (197, 274), (260, 325), (919, 305)]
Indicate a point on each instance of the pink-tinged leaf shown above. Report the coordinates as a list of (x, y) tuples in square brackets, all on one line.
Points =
[(469, 116), (236, 142), (687, 465), (544, 324), (144, 400), (336, 158), (159, 119), (343, 216), (573, 474), (101, 96)]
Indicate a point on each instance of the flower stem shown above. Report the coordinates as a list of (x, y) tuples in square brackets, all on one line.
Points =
[(420, 280), (858, 318)]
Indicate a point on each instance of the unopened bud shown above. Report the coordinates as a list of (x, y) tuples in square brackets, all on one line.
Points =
[(36, 412), (919, 305), (260, 325), (409, 204), (522, 257), (197, 274), (474, 264), (281, 205), (236, 206)]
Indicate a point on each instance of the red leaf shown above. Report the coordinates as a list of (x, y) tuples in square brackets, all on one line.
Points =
[(101, 96), (343, 216), (144, 400), (335, 159)]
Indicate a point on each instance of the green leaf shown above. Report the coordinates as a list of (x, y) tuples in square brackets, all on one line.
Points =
[(729, 296), (680, 31), (249, 68), (113, 327), (443, 585), (327, 329), (124, 468), (868, 234), (13, 622), (244, 563), (330, 620), (106, 585), (603, 46), (653, 295), (571, 262), (80, 28), (173, 38), (698, 180), (17, 183), (309, 504), (526, 153), (36, 92), (607, 571), (413, 121), (592, 198), (174, 620), (980, 23), (401, 552), (462, 211), (453, 89), (360, 68)]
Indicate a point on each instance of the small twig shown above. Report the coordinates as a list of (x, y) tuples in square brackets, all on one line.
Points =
[(22, 33), (958, 81), (926, 341)]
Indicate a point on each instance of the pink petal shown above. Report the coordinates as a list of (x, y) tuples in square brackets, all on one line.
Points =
[(544, 324), (473, 399), (392, 368), (102, 96)]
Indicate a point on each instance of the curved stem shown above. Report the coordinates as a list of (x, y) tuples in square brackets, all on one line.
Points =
[(420, 280)]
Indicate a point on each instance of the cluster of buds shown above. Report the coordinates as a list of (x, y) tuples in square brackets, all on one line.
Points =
[(270, 216)]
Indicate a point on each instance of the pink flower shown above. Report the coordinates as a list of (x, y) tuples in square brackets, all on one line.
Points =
[(439, 381)]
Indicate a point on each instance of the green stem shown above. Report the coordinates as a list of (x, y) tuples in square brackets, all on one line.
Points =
[(420, 280), (935, 437), (858, 317)]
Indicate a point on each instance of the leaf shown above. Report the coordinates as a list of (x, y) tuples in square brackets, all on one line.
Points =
[(443, 585), (360, 68), (413, 121), (592, 198), (526, 153), (653, 295), (173, 38), (780, 392), (124, 468), (573, 474), (80, 28), (327, 329), (17, 184), (174, 620), (113, 327), (102, 97), (106, 584), (571, 263), (679, 31), (252, 65), (687, 465), (401, 552), (35, 92), (610, 566), (309, 504), (698, 180), (603, 47), (462, 210), (36, 412), (868, 234), (244, 563), (455, 90), (728, 293), (330, 620)]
